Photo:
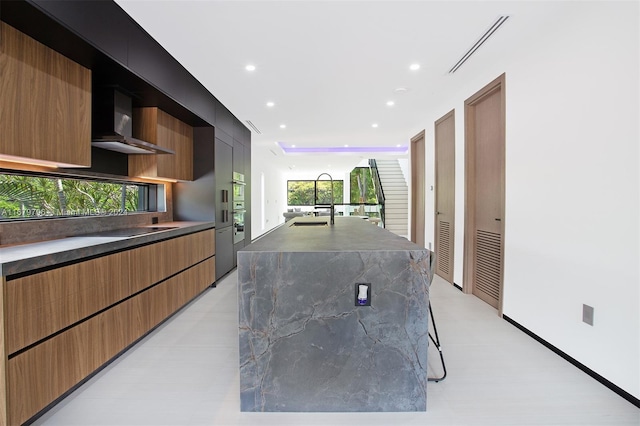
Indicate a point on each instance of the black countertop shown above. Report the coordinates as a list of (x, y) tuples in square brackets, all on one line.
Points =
[(348, 234), (22, 258)]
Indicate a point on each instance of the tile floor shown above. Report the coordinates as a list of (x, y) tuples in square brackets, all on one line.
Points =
[(185, 373)]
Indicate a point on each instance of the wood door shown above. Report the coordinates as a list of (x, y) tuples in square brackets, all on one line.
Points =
[(484, 192), (417, 189), (445, 194)]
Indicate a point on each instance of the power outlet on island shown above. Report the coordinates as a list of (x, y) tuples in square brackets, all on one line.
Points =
[(363, 294)]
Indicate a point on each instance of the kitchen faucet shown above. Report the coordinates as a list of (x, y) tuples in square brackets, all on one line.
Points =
[(332, 210)]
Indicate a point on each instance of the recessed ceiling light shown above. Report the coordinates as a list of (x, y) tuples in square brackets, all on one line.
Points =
[(374, 125), (293, 146), (390, 103), (283, 126), (401, 90), (398, 146), (270, 104), (250, 67), (346, 145), (414, 67)]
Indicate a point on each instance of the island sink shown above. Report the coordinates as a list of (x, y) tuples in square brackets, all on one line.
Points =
[(310, 223)]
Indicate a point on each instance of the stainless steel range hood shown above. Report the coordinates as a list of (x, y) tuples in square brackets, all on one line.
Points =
[(112, 125)]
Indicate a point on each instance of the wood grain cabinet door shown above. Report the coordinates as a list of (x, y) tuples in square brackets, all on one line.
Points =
[(156, 126), (45, 102), (44, 303)]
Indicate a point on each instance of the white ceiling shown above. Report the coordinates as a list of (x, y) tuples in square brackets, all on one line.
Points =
[(331, 66)]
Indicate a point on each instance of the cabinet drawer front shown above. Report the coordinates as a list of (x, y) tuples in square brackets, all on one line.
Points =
[(153, 263), (38, 376), (157, 303), (41, 304)]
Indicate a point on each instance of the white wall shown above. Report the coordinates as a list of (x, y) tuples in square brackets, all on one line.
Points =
[(572, 215), (572, 184), (267, 208)]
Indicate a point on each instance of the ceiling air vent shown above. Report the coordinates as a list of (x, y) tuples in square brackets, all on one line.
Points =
[(253, 126), (479, 43)]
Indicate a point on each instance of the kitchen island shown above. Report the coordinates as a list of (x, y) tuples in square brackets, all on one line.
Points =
[(307, 343)]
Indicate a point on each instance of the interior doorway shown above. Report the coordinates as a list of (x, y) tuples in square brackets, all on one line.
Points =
[(417, 188), (484, 193), (445, 194)]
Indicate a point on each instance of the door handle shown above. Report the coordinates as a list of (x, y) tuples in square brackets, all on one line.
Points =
[(498, 219)]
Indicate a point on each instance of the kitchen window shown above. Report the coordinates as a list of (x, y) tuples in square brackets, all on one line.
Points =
[(30, 196)]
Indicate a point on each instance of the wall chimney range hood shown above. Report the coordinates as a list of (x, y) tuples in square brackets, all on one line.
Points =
[(113, 128)]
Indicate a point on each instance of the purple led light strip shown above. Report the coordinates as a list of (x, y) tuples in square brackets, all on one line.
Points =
[(342, 149)]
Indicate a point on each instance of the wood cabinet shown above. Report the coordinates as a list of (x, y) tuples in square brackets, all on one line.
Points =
[(45, 107), (63, 324), (41, 304), (156, 126)]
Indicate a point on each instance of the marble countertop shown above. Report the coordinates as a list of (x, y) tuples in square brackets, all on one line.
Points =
[(22, 258), (348, 234)]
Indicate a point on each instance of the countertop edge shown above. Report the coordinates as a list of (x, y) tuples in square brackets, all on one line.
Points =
[(55, 252)]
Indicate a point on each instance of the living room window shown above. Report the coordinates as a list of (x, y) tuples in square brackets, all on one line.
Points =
[(312, 193)]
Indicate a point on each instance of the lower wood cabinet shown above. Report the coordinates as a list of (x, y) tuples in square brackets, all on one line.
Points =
[(64, 324)]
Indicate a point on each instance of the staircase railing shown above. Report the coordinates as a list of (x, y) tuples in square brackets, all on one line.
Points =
[(378, 185)]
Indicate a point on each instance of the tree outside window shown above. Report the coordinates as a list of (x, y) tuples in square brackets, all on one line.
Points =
[(27, 197), (362, 189), (311, 192)]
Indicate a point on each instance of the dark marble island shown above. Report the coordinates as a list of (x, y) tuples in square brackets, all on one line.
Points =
[(308, 344)]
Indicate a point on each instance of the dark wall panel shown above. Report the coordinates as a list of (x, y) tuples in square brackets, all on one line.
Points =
[(103, 23)]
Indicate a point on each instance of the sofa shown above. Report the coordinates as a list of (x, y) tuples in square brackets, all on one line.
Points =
[(291, 213)]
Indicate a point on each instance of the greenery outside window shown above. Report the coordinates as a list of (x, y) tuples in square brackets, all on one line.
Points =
[(312, 193), (361, 184), (36, 196)]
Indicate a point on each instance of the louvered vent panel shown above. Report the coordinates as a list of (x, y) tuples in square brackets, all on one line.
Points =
[(443, 248), (487, 270)]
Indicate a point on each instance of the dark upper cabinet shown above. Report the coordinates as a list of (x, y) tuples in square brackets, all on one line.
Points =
[(148, 59), (100, 22), (241, 132), (225, 121), (238, 157), (199, 100)]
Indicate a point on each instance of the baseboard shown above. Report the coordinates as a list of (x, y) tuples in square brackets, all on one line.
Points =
[(626, 395)]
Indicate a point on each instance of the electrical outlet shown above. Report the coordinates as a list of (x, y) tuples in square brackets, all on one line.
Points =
[(154, 220), (363, 294), (587, 314)]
